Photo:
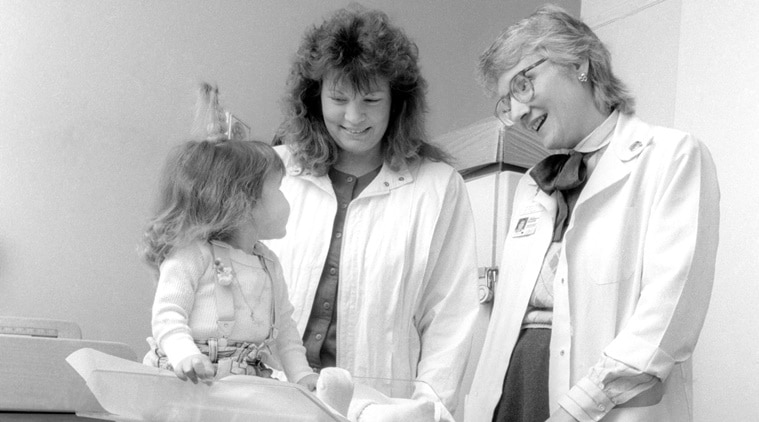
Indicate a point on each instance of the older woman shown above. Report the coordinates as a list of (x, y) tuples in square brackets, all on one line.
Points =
[(608, 268), (380, 252)]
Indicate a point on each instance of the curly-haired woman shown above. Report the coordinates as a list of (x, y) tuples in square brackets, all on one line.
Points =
[(380, 251)]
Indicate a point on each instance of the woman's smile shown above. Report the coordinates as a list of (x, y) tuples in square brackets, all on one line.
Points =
[(536, 124), (356, 132)]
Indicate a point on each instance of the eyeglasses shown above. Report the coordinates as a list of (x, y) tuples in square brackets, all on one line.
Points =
[(521, 88)]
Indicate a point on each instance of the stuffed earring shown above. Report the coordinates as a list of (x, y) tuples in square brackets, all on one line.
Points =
[(583, 77)]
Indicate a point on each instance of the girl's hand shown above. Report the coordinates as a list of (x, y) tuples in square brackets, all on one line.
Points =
[(309, 381), (195, 368)]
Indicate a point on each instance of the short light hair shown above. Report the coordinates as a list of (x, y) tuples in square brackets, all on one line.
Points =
[(553, 33)]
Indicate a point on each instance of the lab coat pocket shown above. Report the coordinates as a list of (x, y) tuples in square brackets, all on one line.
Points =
[(609, 269)]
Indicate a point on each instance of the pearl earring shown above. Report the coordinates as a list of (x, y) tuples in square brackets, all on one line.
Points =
[(583, 77)]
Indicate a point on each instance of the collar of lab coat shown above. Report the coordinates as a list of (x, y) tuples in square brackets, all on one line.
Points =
[(387, 179), (631, 136)]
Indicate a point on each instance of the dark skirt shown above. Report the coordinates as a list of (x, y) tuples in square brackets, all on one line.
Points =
[(525, 387)]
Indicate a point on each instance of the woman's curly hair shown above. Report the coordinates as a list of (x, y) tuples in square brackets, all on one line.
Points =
[(359, 46)]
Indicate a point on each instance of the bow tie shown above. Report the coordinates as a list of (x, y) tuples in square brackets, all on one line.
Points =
[(560, 172)]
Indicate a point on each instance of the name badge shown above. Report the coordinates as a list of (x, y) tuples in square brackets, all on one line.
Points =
[(527, 222)]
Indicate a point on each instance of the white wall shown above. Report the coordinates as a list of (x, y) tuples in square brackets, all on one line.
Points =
[(717, 91), (644, 47), (93, 93), (693, 65)]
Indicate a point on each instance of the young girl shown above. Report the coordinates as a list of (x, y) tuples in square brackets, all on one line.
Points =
[(221, 304)]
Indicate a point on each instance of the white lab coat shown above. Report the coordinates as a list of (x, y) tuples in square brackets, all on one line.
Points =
[(407, 278), (634, 277)]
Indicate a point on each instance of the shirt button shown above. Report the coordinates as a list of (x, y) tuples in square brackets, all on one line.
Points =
[(333, 271), (387, 184), (561, 352), (350, 179), (401, 179), (319, 336), (326, 305), (338, 235), (601, 407), (562, 281)]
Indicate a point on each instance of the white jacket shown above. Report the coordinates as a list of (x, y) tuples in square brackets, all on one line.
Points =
[(634, 279), (407, 278)]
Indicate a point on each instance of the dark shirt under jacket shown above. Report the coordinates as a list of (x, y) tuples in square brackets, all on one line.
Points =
[(320, 337)]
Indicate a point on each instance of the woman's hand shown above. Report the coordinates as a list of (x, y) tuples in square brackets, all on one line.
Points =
[(309, 381), (195, 368), (561, 415)]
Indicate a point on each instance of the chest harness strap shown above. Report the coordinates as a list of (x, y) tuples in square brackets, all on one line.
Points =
[(225, 311)]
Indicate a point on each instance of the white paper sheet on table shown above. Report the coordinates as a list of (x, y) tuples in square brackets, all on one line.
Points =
[(134, 392)]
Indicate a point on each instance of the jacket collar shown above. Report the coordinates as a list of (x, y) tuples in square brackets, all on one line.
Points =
[(631, 137), (292, 168), (387, 179), (548, 202)]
